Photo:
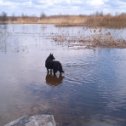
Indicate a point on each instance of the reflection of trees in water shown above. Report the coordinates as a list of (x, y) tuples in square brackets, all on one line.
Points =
[(54, 80), (3, 37), (3, 27)]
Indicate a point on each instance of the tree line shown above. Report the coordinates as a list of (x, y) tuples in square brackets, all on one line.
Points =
[(4, 17)]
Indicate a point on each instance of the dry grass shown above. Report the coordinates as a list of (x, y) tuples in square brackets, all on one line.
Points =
[(107, 40), (94, 21), (64, 20), (96, 40), (108, 21)]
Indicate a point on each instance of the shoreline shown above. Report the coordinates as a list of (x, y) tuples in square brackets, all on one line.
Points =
[(104, 21)]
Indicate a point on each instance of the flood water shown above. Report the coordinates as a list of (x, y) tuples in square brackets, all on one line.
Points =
[(92, 91)]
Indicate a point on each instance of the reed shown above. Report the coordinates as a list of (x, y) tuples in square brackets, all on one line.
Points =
[(108, 21), (98, 39)]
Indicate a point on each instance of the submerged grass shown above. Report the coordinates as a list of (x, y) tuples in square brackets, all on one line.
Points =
[(97, 39)]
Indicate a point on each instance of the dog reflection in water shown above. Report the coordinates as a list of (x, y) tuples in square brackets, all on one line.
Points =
[(54, 80)]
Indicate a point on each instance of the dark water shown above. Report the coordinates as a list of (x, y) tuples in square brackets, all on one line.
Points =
[(92, 91)]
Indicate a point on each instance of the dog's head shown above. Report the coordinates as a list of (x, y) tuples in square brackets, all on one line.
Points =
[(51, 56)]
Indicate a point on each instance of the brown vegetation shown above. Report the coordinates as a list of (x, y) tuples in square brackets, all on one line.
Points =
[(96, 40), (96, 20), (107, 21)]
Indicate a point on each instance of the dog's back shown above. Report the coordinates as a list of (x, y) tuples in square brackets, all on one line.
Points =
[(57, 67)]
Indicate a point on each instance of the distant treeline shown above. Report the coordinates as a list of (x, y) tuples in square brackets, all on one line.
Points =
[(94, 20)]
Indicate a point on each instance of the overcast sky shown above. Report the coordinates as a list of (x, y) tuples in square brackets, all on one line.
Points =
[(54, 7)]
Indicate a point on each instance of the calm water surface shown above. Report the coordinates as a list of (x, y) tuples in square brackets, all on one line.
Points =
[(92, 91)]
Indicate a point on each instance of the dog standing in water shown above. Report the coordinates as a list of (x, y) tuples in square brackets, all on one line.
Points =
[(52, 65)]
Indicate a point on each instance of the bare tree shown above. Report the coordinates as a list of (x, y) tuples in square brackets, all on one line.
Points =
[(42, 15), (3, 17)]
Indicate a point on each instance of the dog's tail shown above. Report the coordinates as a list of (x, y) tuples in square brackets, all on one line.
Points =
[(62, 71)]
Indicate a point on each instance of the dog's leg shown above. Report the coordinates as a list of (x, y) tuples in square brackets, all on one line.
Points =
[(47, 71), (60, 74), (54, 72), (50, 71)]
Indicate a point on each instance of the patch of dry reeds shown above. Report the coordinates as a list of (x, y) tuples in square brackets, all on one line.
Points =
[(96, 40), (108, 21)]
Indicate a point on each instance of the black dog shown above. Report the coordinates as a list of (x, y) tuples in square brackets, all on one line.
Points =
[(52, 65)]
